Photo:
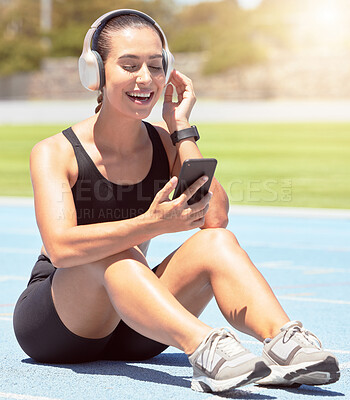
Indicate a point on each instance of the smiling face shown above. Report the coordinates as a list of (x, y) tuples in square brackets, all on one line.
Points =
[(134, 73)]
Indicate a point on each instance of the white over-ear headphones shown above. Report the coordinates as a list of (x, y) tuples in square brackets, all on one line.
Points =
[(91, 68)]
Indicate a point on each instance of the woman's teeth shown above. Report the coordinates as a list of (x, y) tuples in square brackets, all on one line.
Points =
[(141, 96)]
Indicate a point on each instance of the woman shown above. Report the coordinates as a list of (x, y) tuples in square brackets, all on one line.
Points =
[(91, 294)]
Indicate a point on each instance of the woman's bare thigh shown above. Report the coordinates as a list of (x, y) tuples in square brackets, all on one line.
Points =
[(81, 300)]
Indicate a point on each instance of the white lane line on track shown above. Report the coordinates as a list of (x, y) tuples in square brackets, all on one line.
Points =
[(303, 212), (5, 278), (291, 212), (339, 351), (23, 397), (311, 285), (16, 250), (287, 265), (314, 300), (5, 319), (271, 245), (296, 246), (19, 231), (10, 201)]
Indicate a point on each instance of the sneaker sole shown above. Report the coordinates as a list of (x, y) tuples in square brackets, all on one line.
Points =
[(209, 385), (322, 373)]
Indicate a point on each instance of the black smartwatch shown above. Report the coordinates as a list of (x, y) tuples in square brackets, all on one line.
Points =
[(184, 134)]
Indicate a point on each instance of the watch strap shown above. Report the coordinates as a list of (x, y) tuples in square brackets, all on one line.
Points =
[(184, 134)]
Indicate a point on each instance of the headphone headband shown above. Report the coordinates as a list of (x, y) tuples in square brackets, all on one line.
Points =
[(101, 22), (91, 69)]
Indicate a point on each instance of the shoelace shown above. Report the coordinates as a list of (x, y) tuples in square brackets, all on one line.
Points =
[(224, 342), (306, 336)]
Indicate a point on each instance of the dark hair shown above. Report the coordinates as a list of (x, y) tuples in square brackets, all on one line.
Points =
[(102, 38)]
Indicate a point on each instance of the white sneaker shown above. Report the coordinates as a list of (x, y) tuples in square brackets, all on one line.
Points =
[(220, 363), (296, 357)]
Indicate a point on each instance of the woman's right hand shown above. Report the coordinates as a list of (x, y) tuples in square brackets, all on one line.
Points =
[(177, 114), (176, 215)]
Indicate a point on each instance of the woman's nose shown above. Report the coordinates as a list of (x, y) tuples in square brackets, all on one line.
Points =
[(144, 75)]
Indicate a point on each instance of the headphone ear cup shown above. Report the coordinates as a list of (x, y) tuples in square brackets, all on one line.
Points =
[(89, 71)]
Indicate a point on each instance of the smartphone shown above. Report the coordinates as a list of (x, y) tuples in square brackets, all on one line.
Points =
[(191, 170)]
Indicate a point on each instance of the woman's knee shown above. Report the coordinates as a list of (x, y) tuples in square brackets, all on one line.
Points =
[(217, 246), (128, 260), (123, 267), (216, 239)]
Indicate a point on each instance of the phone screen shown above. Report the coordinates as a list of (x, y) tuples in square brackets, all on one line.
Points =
[(191, 170)]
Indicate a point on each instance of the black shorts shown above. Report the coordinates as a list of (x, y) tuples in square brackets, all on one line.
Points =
[(44, 337)]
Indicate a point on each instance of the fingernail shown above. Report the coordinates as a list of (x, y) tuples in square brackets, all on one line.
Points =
[(204, 178)]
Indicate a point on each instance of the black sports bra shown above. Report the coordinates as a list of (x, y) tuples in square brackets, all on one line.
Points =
[(99, 200)]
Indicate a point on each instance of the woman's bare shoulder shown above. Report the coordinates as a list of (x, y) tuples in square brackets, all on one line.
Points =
[(54, 157), (53, 146)]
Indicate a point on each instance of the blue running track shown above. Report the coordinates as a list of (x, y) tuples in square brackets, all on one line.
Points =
[(304, 254)]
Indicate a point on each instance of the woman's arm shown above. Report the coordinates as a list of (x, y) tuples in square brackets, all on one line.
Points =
[(69, 245), (217, 215), (177, 115), (66, 243)]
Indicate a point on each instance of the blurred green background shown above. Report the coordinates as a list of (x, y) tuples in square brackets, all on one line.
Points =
[(29, 35), (229, 33), (275, 164), (299, 165)]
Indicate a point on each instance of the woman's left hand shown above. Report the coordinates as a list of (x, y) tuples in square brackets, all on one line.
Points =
[(177, 115)]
